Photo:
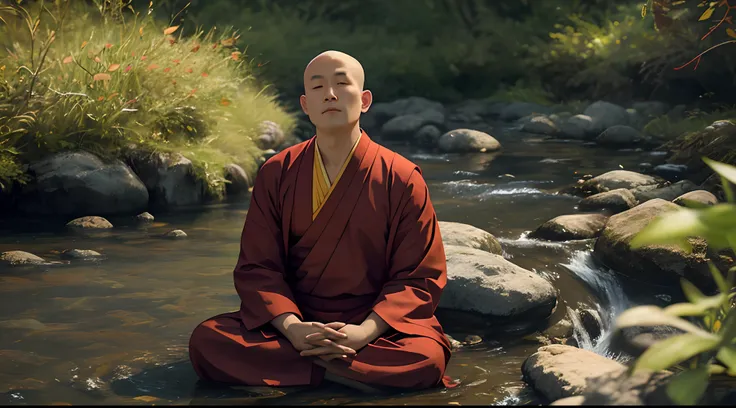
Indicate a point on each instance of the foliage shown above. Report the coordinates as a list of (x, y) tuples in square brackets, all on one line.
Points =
[(103, 80), (666, 128), (708, 346)]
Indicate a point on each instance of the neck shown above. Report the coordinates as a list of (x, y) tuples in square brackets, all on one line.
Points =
[(335, 144)]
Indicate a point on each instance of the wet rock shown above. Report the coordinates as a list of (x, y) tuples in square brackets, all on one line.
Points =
[(456, 345), (656, 263), (20, 258), (617, 179), (405, 127), (669, 193), (175, 234), (22, 324), (619, 135), (380, 113), (670, 172), (270, 135), (89, 222), (75, 183), (540, 125), (517, 110), (83, 254), (472, 339), (591, 321), (559, 371), (428, 135), (577, 127), (618, 388), (569, 227), (169, 178), (238, 182), (720, 124), (561, 329), (636, 340), (468, 141), (144, 217), (615, 201), (485, 283), (569, 401), (651, 109), (606, 114), (702, 197), (455, 233)]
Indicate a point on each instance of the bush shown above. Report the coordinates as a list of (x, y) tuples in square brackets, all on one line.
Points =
[(708, 345), (102, 82)]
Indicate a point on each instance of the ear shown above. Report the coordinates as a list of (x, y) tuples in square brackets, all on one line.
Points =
[(366, 99), (303, 103)]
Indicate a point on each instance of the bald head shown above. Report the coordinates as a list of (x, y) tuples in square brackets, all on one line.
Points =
[(346, 65)]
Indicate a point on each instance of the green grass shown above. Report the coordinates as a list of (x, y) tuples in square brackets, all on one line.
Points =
[(105, 85), (666, 128)]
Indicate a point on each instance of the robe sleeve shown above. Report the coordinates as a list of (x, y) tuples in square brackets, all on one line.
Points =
[(259, 273), (417, 265)]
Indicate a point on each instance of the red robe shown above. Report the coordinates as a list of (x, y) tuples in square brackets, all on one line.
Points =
[(374, 246)]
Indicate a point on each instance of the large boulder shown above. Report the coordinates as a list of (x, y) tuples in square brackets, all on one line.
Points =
[(578, 127), (617, 179), (169, 178), (405, 127), (540, 124), (485, 283), (569, 227), (669, 193), (655, 263), (20, 258), (456, 233), (615, 201), (270, 135), (618, 388), (238, 181), (77, 183), (468, 141), (606, 114), (381, 112), (702, 197), (559, 371), (620, 135)]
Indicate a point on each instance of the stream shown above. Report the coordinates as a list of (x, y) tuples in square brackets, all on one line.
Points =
[(116, 331)]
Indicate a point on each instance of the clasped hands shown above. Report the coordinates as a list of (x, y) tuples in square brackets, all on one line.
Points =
[(327, 341)]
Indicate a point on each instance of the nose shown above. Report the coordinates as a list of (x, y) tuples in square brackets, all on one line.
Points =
[(330, 94)]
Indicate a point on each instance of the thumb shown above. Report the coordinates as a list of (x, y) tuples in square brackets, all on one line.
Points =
[(336, 325)]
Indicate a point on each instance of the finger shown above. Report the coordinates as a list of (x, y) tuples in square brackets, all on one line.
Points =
[(323, 343), (330, 332), (315, 337), (336, 325), (336, 349)]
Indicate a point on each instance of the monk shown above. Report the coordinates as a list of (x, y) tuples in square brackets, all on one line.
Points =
[(341, 263)]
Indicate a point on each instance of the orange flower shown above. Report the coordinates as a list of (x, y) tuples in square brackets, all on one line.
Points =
[(176, 61), (108, 45), (235, 56), (143, 58), (152, 67), (128, 68), (167, 69), (189, 70), (195, 48), (205, 75)]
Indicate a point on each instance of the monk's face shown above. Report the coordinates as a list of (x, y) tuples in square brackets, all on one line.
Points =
[(333, 92)]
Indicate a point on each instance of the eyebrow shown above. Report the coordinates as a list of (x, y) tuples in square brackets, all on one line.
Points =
[(338, 73)]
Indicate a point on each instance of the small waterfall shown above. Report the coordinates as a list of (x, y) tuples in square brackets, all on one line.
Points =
[(614, 301)]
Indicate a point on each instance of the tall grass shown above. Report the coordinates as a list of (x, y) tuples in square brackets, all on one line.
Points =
[(111, 81)]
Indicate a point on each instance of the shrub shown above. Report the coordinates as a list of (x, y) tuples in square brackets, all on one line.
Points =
[(708, 346), (102, 82)]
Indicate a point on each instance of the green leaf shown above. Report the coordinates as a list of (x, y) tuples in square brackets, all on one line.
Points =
[(723, 169), (716, 369), (718, 278), (674, 350), (670, 228), (727, 356), (728, 330), (655, 316), (700, 308), (687, 387), (692, 293)]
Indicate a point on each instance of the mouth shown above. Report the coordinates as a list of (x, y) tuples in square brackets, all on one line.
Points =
[(331, 110)]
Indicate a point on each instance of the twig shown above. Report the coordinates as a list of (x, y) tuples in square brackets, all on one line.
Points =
[(725, 15), (69, 93), (697, 58)]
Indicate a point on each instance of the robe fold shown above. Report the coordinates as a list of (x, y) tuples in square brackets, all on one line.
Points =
[(372, 245)]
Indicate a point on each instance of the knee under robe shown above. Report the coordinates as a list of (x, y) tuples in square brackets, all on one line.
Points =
[(374, 246)]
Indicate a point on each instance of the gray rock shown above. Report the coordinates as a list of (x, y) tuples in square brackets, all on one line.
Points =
[(615, 201), (591, 321), (635, 340), (669, 193), (578, 127), (616, 179), (481, 282), (380, 113), (605, 115), (75, 183), (468, 141), (455, 233), (177, 233), (569, 227), (404, 127), (238, 182), (702, 197), (169, 178), (84, 254), (428, 135), (20, 258), (89, 222), (720, 124), (558, 371), (540, 125), (144, 217), (619, 135), (270, 135), (671, 172), (618, 388), (677, 112), (651, 109), (561, 329)]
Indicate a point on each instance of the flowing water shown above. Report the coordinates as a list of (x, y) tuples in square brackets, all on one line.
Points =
[(116, 331)]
